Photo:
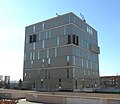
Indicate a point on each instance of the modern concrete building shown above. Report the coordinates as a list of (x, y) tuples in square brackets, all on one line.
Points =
[(7, 79), (1, 78), (110, 82), (61, 53)]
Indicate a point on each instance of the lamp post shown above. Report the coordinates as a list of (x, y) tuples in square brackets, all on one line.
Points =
[(41, 83), (83, 83), (76, 83)]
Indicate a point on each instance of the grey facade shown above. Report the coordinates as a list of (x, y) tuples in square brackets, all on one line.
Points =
[(61, 53)]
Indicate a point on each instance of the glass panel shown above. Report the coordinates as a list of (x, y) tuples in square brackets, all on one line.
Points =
[(68, 58), (39, 36), (43, 60), (34, 46), (43, 44), (74, 19), (48, 60), (30, 55), (47, 34), (65, 31), (38, 55), (55, 52), (43, 26), (33, 55), (33, 28), (58, 41), (47, 53), (69, 18), (73, 60)]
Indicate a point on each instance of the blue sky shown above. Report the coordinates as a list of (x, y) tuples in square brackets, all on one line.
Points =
[(103, 15)]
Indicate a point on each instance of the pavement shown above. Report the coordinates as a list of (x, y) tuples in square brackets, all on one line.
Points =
[(23, 101)]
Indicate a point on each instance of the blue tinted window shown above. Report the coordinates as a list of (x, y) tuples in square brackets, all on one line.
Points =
[(47, 34), (38, 54), (43, 26), (33, 28), (47, 53), (55, 52), (43, 44), (69, 18), (68, 58), (39, 36), (74, 19), (48, 60), (65, 31), (58, 41), (34, 46)]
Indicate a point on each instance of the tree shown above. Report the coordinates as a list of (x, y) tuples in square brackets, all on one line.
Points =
[(20, 84)]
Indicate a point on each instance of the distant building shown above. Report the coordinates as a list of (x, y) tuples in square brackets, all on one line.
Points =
[(1, 78), (7, 79), (110, 81), (61, 53)]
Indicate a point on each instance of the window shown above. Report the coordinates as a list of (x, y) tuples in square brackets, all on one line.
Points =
[(33, 55), (38, 54), (73, 60), (34, 38), (77, 40), (58, 41), (82, 63), (39, 36), (49, 62), (65, 31), (43, 60), (69, 18), (43, 63), (47, 53), (59, 79), (34, 45), (31, 62), (74, 19), (47, 34), (67, 73), (69, 39), (55, 52), (68, 59), (43, 26), (30, 39), (43, 44), (74, 39), (33, 28), (30, 55)]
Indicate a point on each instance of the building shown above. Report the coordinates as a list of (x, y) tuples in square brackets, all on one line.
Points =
[(61, 53), (110, 81), (7, 79), (1, 78)]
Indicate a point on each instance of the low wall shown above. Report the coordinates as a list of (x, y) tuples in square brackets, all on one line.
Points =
[(13, 94), (65, 99)]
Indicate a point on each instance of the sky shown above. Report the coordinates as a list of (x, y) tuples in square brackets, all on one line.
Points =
[(15, 15)]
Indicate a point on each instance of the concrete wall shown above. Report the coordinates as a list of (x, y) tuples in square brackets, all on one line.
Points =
[(66, 99)]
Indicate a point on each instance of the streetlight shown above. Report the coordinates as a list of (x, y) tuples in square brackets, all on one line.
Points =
[(41, 83), (83, 83), (76, 83)]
